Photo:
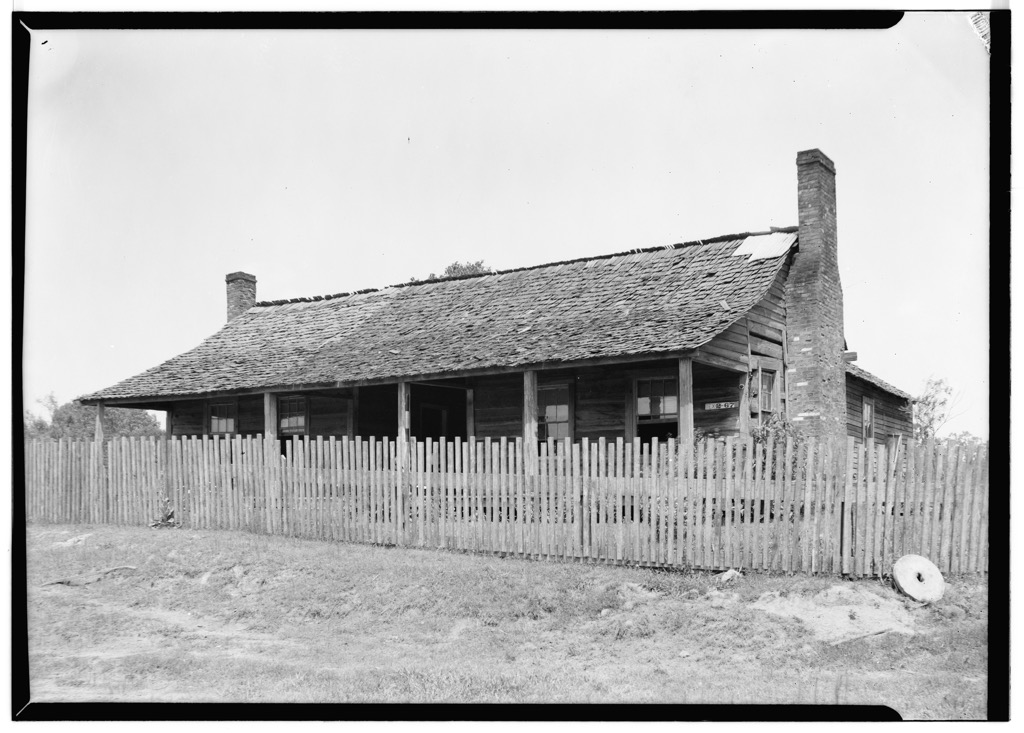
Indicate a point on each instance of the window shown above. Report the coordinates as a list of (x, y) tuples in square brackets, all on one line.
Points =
[(553, 412), (767, 391), (868, 420), (657, 400), (291, 415), (222, 418), (765, 396)]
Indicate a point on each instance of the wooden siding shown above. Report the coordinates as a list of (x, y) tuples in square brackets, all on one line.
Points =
[(328, 415), (498, 406), (715, 385), (188, 418), (729, 349), (889, 418), (250, 415), (601, 404), (767, 319)]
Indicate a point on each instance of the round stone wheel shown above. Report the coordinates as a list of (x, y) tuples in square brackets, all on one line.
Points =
[(918, 577)]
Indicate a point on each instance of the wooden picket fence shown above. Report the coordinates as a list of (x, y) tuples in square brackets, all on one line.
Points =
[(809, 507)]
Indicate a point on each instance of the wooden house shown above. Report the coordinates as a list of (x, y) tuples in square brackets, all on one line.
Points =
[(713, 336)]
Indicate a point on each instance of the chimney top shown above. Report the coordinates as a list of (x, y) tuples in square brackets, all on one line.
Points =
[(241, 293), (806, 157)]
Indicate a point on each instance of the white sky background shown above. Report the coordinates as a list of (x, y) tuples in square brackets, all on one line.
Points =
[(326, 162)]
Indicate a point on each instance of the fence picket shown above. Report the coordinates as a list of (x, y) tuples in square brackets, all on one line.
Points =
[(494, 466), (618, 468), (885, 524), (948, 506), (986, 490), (964, 491), (808, 553), (478, 488), (974, 510), (462, 466), (578, 502)]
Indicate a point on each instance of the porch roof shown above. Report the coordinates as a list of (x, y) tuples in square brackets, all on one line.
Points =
[(856, 371), (644, 303)]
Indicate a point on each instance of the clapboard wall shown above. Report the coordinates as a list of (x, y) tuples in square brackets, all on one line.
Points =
[(891, 417)]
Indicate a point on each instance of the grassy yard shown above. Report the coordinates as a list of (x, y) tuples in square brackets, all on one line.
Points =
[(229, 617)]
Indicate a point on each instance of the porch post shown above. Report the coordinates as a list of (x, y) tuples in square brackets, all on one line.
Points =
[(403, 420), (168, 423), (470, 414), (686, 400), (744, 422), (354, 422), (99, 422), (530, 420), (269, 416)]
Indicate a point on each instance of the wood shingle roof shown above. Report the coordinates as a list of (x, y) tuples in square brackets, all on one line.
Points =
[(643, 303), (856, 371)]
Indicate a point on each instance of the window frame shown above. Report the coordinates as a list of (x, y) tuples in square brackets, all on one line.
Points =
[(663, 417), (755, 397), (570, 421), (232, 405), (865, 403), (303, 400)]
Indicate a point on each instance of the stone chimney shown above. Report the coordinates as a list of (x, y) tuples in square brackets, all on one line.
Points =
[(241, 293), (814, 306)]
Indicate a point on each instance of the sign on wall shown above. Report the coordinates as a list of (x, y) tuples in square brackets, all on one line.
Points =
[(720, 405)]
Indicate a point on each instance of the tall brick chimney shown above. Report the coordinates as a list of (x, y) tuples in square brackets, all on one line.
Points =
[(241, 293), (814, 305)]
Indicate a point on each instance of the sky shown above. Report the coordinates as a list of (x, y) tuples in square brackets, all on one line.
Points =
[(332, 161)]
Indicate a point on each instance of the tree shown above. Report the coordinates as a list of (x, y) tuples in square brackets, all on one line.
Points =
[(78, 422), (458, 269), (966, 437), (933, 408)]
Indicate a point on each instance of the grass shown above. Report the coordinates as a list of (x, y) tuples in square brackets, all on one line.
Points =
[(226, 616)]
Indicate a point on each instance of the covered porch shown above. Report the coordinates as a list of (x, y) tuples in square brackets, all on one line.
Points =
[(676, 398)]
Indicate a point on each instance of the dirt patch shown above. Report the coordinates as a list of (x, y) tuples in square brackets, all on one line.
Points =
[(841, 613)]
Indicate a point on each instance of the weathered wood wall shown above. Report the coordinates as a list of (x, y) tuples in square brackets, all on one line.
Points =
[(188, 417), (601, 403), (328, 416), (889, 418), (250, 414), (498, 406), (729, 349), (767, 320), (711, 385)]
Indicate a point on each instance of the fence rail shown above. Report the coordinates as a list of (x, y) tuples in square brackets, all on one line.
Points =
[(813, 507)]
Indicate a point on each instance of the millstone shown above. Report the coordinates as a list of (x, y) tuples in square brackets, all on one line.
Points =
[(919, 578)]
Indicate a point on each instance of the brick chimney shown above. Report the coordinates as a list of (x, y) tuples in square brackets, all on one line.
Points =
[(814, 305), (241, 293)]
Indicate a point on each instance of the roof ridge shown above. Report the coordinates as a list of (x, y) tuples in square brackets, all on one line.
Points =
[(592, 258)]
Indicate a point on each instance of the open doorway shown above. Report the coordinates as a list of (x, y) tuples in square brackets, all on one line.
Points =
[(433, 421), (437, 412)]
